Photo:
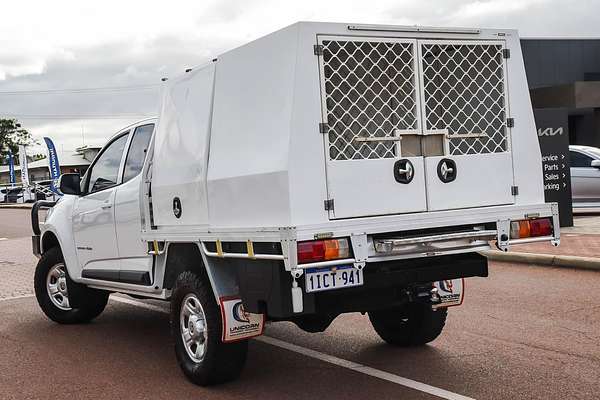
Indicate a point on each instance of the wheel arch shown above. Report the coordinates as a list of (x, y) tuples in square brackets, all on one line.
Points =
[(58, 227), (188, 256), (49, 240), (181, 257)]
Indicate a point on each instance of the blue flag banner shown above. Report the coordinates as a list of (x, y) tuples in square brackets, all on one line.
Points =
[(53, 164), (11, 168)]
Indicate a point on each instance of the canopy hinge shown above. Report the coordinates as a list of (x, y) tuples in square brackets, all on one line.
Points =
[(318, 49), (323, 127), (514, 190), (506, 53), (510, 122), (328, 205)]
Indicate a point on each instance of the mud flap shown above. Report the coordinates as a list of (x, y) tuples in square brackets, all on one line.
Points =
[(451, 292), (238, 324)]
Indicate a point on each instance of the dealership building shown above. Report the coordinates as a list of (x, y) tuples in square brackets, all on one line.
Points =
[(565, 74), (70, 161)]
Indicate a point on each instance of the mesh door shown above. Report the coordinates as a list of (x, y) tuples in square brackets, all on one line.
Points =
[(370, 92), (463, 91)]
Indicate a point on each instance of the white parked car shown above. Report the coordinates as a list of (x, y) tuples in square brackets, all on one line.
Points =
[(585, 176), (323, 169), (18, 194)]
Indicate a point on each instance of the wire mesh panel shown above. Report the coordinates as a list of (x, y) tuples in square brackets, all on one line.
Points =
[(464, 92), (370, 92)]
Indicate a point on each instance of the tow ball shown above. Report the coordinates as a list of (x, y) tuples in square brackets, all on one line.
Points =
[(424, 294)]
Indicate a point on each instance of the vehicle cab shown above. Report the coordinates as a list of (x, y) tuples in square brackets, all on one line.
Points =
[(102, 222)]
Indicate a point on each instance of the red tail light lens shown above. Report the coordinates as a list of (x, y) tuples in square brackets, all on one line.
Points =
[(531, 228), (541, 227), (322, 250), (310, 251)]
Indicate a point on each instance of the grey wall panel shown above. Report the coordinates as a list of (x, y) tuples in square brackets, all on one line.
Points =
[(551, 62)]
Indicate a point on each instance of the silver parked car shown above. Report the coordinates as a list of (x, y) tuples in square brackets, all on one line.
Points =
[(585, 175)]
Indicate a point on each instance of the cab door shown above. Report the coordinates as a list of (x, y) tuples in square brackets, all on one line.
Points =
[(135, 263), (371, 126), (93, 215), (465, 108), (414, 125)]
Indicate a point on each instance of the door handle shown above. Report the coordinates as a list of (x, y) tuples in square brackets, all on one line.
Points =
[(106, 206), (446, 170), (403, 171)]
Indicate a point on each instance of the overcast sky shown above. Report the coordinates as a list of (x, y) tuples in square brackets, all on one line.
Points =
[(62, 45)]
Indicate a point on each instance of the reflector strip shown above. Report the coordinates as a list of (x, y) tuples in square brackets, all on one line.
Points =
[(219, 248), (250, 248)]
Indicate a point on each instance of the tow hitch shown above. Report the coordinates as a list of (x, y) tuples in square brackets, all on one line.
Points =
[(446, 293)]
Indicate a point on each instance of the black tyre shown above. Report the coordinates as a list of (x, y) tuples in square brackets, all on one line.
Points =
[(53, 286), (414, 324), (196, 327)]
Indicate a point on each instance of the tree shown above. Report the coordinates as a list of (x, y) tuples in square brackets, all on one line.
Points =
[(11, 136)]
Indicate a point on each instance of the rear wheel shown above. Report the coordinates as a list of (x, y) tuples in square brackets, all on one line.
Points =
[(53, 287), (413, 324), (196, 326)]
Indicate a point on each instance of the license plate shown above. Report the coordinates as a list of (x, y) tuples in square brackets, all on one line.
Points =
[(320, 279)]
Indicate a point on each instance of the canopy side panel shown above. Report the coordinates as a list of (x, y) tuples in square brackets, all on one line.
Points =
[(181, 149), (248, 182)]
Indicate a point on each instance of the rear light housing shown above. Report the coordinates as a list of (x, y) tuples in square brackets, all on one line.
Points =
[(323, 250), (531, 228)]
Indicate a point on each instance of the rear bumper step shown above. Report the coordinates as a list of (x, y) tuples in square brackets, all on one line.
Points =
[(389, 245)]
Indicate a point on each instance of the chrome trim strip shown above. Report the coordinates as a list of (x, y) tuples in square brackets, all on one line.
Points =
[(530, 240)]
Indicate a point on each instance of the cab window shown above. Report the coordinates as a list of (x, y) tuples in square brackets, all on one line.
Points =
[(105, 171), (137, 151)]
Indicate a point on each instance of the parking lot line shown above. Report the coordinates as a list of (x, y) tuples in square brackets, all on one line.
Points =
[(340, 362), (363, 369), (24, 296)]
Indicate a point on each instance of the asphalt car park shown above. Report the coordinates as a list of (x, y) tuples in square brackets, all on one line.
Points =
[(524, 332)]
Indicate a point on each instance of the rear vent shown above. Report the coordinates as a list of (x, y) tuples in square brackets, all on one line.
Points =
[(369, 93), (463, 86), (373, 94)]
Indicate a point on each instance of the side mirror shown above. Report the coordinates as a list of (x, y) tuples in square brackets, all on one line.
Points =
[(70, 184), (595, 164)]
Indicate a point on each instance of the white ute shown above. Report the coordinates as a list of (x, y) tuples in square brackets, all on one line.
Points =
[(323, 169)]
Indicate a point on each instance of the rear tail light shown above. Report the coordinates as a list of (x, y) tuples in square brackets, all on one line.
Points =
[(323, 250), (531, 228)]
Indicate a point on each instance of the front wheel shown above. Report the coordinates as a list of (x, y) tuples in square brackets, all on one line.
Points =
[(413, 324), (53, 287), (196, 327)]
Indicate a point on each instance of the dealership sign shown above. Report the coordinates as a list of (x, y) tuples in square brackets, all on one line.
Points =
[(553, 135), (23, 164), (11, 168), (53, 165)]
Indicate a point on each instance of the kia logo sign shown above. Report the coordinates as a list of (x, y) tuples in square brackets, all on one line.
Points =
[(550, 131)]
